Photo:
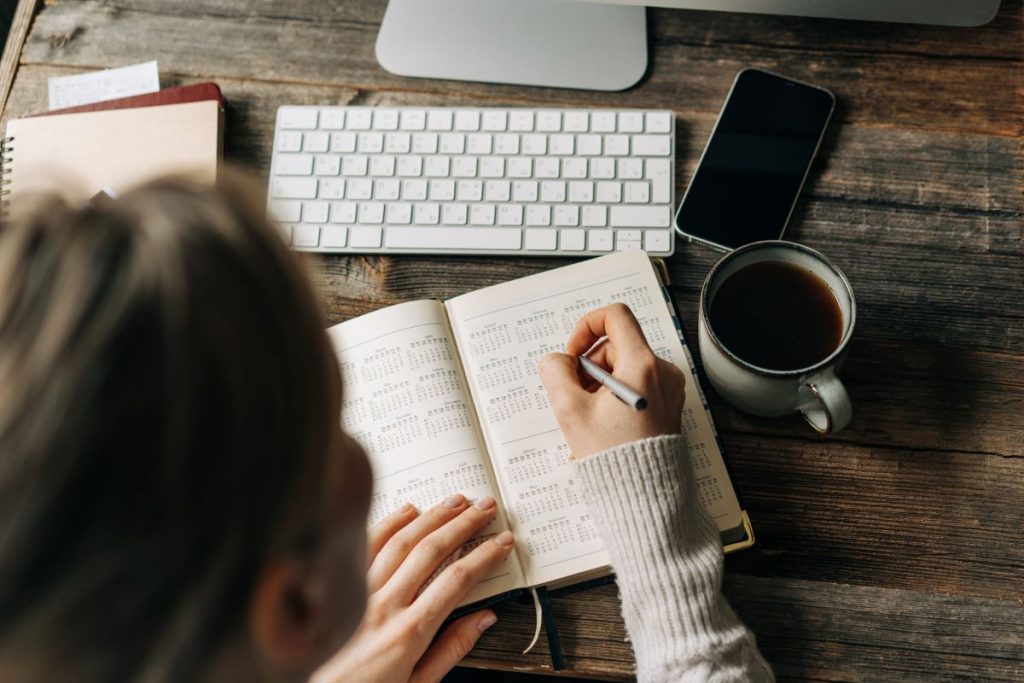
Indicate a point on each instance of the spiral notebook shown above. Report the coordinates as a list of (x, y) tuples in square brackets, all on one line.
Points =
[(78, 154)]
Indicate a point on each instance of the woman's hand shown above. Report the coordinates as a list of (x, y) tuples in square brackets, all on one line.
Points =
[(393, 642), (591, 417)]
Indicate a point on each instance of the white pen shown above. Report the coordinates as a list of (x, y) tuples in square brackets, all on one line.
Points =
[(628, 396)]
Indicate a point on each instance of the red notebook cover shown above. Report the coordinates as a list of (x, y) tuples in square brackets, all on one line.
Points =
[(186, 93)]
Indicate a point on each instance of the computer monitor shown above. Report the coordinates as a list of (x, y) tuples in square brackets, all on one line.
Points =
[(590, 44)]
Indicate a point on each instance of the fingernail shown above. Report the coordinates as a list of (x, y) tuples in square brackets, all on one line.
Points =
[(406, 508), (486, 621), (504, 538), (455, 501), (485, 503)]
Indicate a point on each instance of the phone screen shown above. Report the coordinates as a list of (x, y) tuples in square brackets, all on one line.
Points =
[(756, 160)]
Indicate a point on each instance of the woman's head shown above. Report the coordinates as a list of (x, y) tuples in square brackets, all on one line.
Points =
[(172, 474)]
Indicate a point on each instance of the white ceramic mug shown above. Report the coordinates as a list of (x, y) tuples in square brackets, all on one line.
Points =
[(814, 391)]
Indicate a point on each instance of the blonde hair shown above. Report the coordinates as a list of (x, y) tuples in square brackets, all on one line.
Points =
[(166, 399)]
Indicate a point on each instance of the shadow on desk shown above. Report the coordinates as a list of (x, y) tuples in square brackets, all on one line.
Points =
[(463, 675)]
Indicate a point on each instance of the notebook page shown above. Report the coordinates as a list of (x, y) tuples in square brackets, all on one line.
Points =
[(406, 402), (502, 332), (79, 154)]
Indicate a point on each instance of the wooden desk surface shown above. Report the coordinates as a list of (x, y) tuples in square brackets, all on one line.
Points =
[(891, 551)]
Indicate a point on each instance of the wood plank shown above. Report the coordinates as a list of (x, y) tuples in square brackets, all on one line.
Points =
[(14, 41), (315, 43), (831, 632), (918, 520)]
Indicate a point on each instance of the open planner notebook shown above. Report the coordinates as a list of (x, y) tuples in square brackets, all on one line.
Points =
[(445, 397)]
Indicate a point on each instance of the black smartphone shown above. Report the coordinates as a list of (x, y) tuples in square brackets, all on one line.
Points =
[(755, 161)]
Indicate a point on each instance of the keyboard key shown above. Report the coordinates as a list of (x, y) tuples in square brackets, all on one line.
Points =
[(410, 166), (576, 122), (306, 236), (520, 167), (469, 190), (289, 141), (397, 143), (600, 240), (609, 192), (355, 165), (482, 214), (497, 190), (659, 172), (304, 118), (534, 144), (637, 193), (574, 168), (506, 144), (327, 164), (385, 119), (492, 167), (539, 239), (510, 214), (412, 119), (546, 167), (494, 120), (359, 119), (316, 142), (314, 212), (567, 215), (332, 188), (426, 214), (657, 240), (293, 164), (552, 191), (370, 143), (631, 169), (595, 216), (573, 239), (365, 237), (652, 145), (332, 118), (387, 189), (520, 121), (602, 169), (343, 143), (602, 122), (414, 190), (454, 214), (659, 122), (549, 121), (631, 122), (561, 145), (371, 213), (581, 192), (616, 145), (382, 166), (524, 191), (538, 214), (424, 143), (641, 216), (442, 190), (439, 119), (464, 167), (333, 236), (588, 145), (437, 167), (359, 188), (479, 143), (399, 213), (293, 188), (467, 120), (452, 143), (343, 212), (476, 239)]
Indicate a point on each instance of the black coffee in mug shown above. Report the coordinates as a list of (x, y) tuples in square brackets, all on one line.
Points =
[(777, 316)]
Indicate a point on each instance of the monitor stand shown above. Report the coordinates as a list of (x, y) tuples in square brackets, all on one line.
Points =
[(554, 43)]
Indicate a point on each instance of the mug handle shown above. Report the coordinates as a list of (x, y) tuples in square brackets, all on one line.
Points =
[(824, 402)]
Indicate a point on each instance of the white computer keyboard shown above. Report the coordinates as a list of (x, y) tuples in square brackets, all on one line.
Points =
[(538, 182)]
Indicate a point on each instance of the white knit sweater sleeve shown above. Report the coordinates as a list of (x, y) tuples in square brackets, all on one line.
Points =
[(667, 556)]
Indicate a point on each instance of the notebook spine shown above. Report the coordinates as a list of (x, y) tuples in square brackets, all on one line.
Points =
[(5, 170)]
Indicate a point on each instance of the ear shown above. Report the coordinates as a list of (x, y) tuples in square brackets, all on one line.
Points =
[(285, 615)]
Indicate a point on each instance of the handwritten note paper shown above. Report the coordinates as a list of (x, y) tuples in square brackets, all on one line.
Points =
[(110, 84)]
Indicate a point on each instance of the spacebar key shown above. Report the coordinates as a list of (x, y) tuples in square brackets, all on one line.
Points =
[(504, 239)]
